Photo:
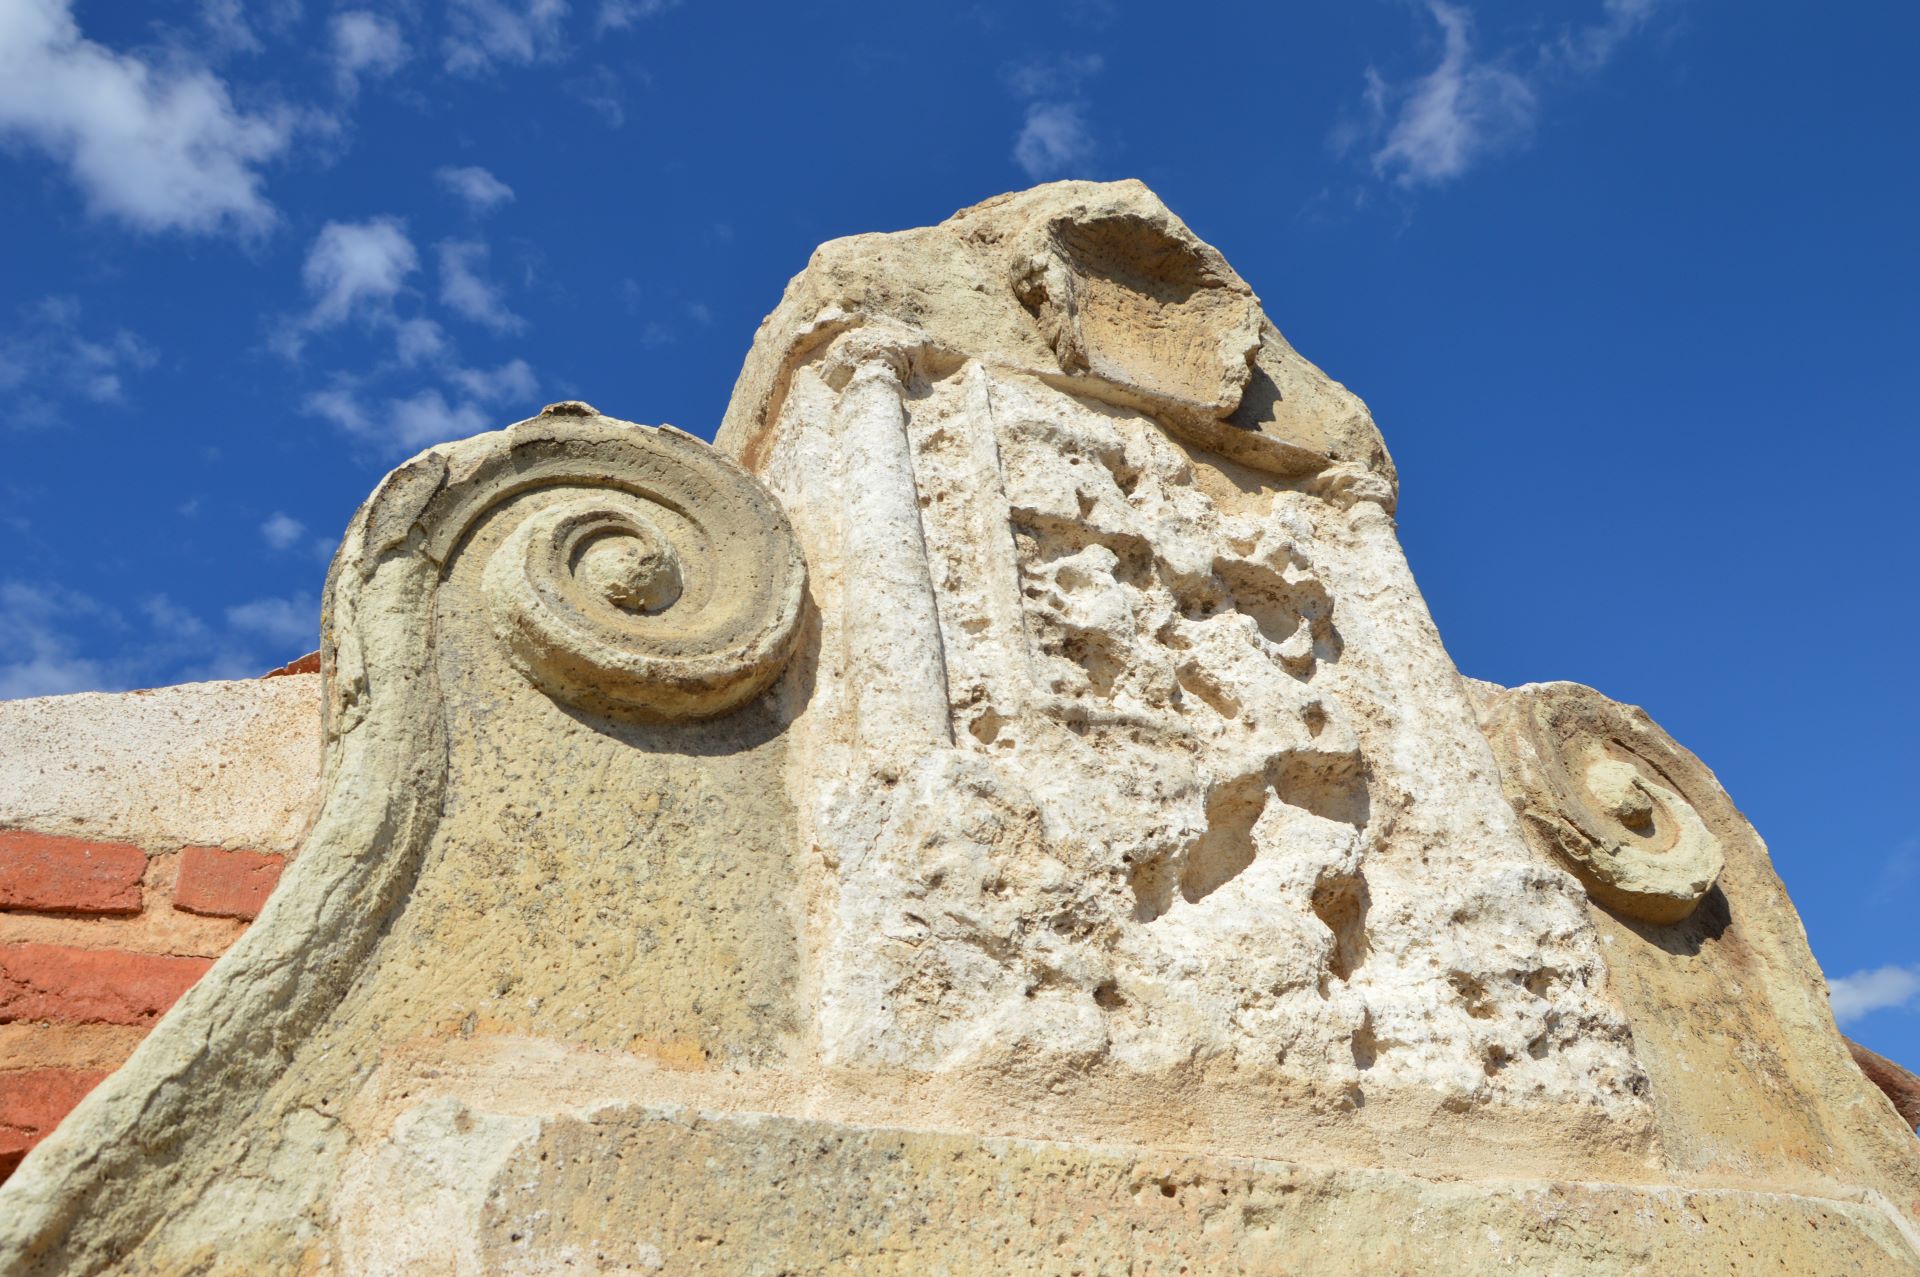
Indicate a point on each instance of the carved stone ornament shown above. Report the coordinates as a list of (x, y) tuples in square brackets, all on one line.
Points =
[(1089, 861), (672, 592), (638, 578), (1601, 788)]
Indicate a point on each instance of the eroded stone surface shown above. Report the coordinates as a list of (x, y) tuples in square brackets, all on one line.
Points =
[(1592, 794), (233, 764), (598, 1192), (1127, 754), (1747, 1074), (1089, 862)]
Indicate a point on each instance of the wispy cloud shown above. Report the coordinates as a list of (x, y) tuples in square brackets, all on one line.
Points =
[(483, 33), (53, 359), (616, 15), (1901, 869), (1471, 105), (41, 656), (1450, 117), (1591, 47), (357, 273), (290, 624), (227, 27), (357, 267), (364, 45), (245, 26), (603, 90), (282, 531), (406, 423), (1055, 139), (480, 190), (1880, 989), (1052, 77), (467, 292), (54, 641), (511, 382), (419, 340), (158, 147), (481, 399)]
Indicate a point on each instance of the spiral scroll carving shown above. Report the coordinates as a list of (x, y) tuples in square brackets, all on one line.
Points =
[(669, 588), (1604, 791)]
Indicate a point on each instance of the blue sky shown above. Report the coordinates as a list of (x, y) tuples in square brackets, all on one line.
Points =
[(1631, 286)]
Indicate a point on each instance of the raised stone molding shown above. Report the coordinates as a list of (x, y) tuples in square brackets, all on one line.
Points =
[(1090, 862), (576, 598), (1612, 797)]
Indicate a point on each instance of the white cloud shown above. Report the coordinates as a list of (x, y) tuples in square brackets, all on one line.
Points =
[(617, 15), (235, 26), (481, 190), (365, 45), (603, 91), (282, 531), (357, 267), (1054, 141), (1590, 48), (417, 340), (51, 360), (358, 271), (1453, 115), (226, 24), (484, 32), (38, 657), (428, 416), (1055, 78), (511, 381), (287, 623), (340, 405), (160, 148), (1438, 126), (1055, 138), (55, 641), (1881, 989), (1901, 868), (469, 294)]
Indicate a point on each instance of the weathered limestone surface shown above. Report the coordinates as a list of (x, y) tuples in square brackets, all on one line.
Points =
[(230, 764), (1017, 815), (1729, 1011)]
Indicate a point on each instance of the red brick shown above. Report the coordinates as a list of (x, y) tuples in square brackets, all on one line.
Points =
[(227, 884), (91, 986), (308, 664), (1900, 1086), (32, 1102), (47, 872)]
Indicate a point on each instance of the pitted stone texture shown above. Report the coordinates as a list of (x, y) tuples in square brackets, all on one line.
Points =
[(1093, 286), (233, 764), (1749, 1078), (1131, 744), (498, 851), (1612, 797), (599, 1193), (1116, 878)]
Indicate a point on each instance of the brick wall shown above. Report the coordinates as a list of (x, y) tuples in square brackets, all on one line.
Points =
[(97, 940)]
